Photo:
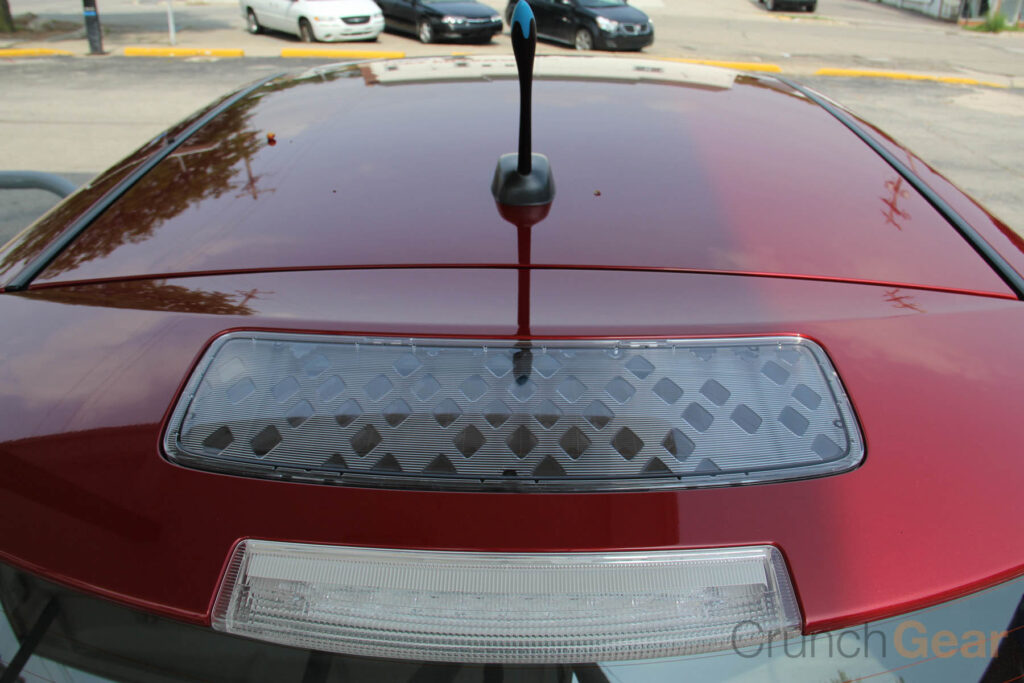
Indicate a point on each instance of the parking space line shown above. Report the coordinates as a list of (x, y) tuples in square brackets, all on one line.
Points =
[(904, 76), (135, 51), (32, 52), (331, 53), (739, 66)]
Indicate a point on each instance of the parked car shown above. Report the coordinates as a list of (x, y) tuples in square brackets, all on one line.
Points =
[(433, 20), (591, 24), (805, 5), (313, 20), (288, 395)]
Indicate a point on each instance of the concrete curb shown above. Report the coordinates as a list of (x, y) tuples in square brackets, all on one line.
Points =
[(738, 66), (33, 52), (333, 53), (905, 76), (314, 53), (133, 51)]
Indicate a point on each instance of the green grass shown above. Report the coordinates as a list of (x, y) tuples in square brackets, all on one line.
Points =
[(994, 23)]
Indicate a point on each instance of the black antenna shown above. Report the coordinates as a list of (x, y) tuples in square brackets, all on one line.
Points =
[(524, 47), (524, 179)]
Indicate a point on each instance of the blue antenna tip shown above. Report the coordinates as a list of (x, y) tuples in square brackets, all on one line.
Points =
[(522, 16)]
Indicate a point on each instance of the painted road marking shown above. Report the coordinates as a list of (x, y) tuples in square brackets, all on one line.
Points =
[(330, 53), (739, 66), (181, 52), (904, 76), (32, 52)]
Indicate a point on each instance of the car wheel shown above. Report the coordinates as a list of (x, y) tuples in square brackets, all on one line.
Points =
[(812, 6), (769, 5), (584, 40), (306, 32), (425, 32), (252, 23)]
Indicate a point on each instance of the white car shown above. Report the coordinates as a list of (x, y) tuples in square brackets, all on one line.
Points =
[(314, 20)]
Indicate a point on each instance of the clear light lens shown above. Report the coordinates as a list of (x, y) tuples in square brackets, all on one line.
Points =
[(609, 25), (506, 608), (559, 415), (454, 20)]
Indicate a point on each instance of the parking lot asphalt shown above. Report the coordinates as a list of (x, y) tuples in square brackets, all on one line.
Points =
[(76, 115), (843, 37)]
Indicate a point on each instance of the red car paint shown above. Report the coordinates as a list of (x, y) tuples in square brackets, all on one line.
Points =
[(90, 371), (743, 179)]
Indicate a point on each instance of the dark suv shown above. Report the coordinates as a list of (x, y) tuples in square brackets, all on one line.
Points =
[(591, 24)]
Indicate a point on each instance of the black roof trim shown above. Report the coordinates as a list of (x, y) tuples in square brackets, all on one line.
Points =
[(24, 278), (1011, 277)]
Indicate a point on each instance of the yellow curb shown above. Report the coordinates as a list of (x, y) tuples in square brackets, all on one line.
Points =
[(899, 75), (345, 54), (181, 52), (32, 52), (739, 66)]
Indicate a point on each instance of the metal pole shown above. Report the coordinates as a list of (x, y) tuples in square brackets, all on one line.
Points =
[(170, 22), (6, 20), (36, 180), (92, 27)]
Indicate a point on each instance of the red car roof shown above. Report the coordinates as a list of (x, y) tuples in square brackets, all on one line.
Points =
[(358, 167)]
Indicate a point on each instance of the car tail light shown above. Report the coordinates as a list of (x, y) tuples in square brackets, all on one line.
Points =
[(553, 415), (504, 607)]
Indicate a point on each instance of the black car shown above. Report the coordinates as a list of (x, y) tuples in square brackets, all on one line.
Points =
[(432, 20), (806, 5), (590, 24)]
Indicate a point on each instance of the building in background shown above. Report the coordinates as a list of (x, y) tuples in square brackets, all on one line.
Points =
[(964, 11), (972, 11)]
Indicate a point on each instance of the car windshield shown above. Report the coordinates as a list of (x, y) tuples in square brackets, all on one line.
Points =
[(71, 637)]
